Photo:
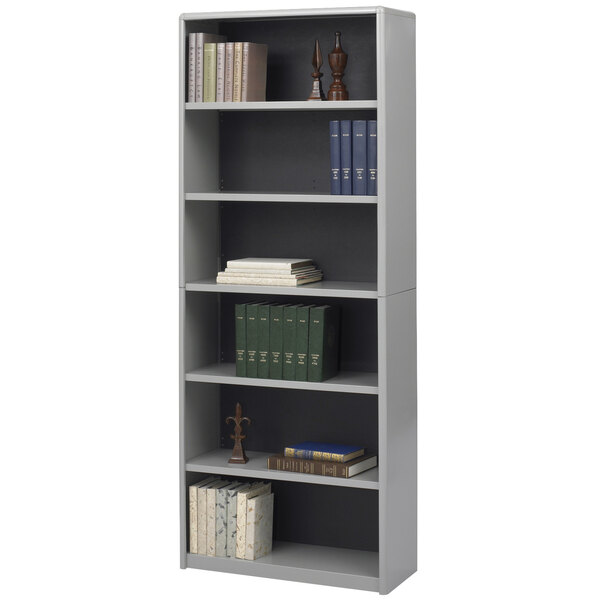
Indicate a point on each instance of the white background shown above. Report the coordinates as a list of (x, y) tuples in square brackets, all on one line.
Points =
[(508, 289)]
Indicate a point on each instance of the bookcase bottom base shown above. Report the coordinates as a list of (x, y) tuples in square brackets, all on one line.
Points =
[(340, 567)]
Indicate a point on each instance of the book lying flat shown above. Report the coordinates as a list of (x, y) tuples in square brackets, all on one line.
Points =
[(302, 275), (317, 451), (248, 271), (267, 280), (270, 263), (279, 462)]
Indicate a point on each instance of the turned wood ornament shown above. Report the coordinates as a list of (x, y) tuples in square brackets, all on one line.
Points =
[(337, 61), (317, 60), (238, 456)]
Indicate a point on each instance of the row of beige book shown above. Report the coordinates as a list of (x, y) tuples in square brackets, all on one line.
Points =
[(222, 71), (283, 272), (231, 519)]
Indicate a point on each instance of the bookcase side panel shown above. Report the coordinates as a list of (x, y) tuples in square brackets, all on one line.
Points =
[(397, 439), (201, 241), (396, 153)]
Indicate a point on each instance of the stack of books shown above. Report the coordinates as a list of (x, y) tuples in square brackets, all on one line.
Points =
[(287, 341), (353, 157), (287, 272), (221, 71), (332, 460), (231, 519)]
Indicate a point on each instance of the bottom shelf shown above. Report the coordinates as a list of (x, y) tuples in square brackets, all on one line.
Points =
[(339, 567)]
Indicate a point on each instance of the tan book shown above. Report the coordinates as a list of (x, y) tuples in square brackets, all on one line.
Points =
[(211, 514), (254, 72), (221, 72), (259, 527), (193, 504), (258, 280), (237, 71), (201, 520), (242, 504), (200, 40), (192, 67), (210, 72), (229, 51)]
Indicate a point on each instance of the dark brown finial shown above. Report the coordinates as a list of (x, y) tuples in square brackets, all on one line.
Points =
[(238, 456), (317, 60), (337, 61)]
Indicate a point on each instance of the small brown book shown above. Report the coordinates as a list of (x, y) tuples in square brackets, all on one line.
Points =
[(279, 462)]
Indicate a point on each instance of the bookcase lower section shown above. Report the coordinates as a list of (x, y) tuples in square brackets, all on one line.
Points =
[(341, 567)]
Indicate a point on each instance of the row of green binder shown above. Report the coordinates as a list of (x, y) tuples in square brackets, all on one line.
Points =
[(286, 341)]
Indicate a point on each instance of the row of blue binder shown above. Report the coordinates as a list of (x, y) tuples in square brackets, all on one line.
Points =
[(353, 156)]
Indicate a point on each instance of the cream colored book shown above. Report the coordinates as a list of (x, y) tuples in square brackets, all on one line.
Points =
[(229, 51), (193, 503), (291, 276), (201, 39), (221, 72), (259, 527), (192, 67), (232, 518), (267, 281), (211, 506), (242, 504), (254, 72), (237, 71), (201, 521), (269, 263), (210, 72), (245, 271), (221, 518)]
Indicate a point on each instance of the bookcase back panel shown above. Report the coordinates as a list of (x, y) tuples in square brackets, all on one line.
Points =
[(278, 151), (340, 238), (281, 417), (291, 44), (358, 327)]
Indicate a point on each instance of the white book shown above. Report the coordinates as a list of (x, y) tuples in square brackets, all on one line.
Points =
[(201, 39), (192, 67), (193, 503), (221, 72), (202, 513), (211, 506), (229, 53), (270, 263), (257, 489), (292, 276), (259, 527), (232, 517), (221, 518), (270, 271), (258, 280)]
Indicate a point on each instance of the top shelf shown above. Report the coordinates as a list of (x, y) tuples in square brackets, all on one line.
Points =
[(285, 105)]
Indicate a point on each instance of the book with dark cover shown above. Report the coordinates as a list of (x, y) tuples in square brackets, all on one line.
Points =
[(289, 341), (323, 342), (240, 340), (334, 158), (302, 323), (371, 158), (264, 323), (346, 156), (279, 462), (252, 340), (359, 158), (276, 342), (319, 451)]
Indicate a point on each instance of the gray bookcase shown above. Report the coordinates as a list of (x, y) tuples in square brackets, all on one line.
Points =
[(254, 181)]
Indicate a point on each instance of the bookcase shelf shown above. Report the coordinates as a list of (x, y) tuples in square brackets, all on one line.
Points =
[(287, 105), (346, 382), (256, 467), (254, 181), (307, 563)]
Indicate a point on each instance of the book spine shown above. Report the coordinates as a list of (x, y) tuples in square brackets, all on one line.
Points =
[(323, 337), (229, 50), (313, 455), (240, 526), (192, 67), (202, 515), (289, 342), (220, 93), (199, 67), (359, 158), (210, 522), (237, 71), (276, 343), (221, 523), (335, 157), (245, 55), (252, 340), (193, 499), (240, 340), (264, 312), (210, 72), (346, 157), (372, 158), (259, 527), (310, 467), (231, 522), (302, 323)]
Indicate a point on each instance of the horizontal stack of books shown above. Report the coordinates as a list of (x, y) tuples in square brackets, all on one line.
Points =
[(285, 272), (286, 341), (332, 460), (353, 157), (221, 71), (231, 519)]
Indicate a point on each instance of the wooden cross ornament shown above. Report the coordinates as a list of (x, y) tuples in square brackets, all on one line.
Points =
[(238, 456)]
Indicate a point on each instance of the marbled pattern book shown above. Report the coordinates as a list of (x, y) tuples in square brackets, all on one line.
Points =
[(232, 517), (242, 503), (193, 503), (259, 527), (221, 518), (211, 505)]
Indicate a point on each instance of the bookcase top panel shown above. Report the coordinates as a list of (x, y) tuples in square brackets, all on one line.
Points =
[(301, 13)]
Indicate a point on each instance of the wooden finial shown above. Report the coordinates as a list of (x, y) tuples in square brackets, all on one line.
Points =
[(317, 60), (337, 61), (238, 456)]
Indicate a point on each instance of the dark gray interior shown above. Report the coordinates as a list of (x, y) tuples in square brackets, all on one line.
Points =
[(341, 239), (278, 151)]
